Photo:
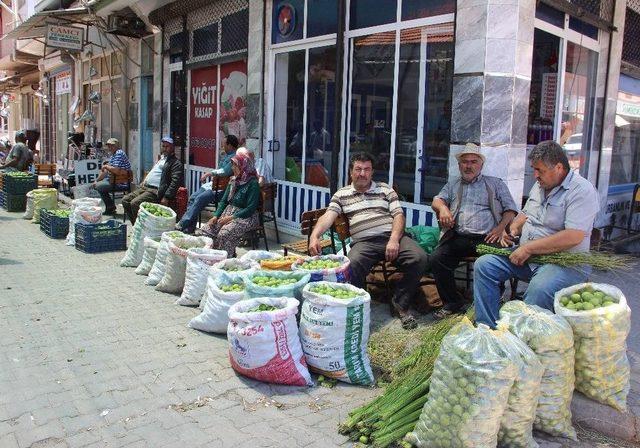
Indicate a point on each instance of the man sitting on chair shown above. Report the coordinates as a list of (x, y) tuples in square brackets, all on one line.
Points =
[(206, 194), (471, 209), (376, 224), (118, 164)]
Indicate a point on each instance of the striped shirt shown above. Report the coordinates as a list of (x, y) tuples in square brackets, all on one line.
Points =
[(120, 160), (370, 213)]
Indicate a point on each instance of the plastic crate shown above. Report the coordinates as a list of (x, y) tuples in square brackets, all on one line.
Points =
[(13, 202), (19, 185), (108, 236), (53, 226)]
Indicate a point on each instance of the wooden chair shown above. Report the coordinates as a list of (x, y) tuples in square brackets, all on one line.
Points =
[(45, 173), (120, 183), (268, 193), (254, 235), (219, 185), (307, 221)]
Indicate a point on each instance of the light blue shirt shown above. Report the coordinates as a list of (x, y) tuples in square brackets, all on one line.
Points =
[(225, 170), (154, 176), (572, 205)]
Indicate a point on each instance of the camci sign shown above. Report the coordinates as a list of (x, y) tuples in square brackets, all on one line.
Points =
[(67, 37)]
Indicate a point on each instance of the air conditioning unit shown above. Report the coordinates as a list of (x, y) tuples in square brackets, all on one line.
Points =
[(130, 26)]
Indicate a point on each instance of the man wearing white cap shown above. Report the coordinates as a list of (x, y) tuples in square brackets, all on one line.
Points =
[(118, 164), (161, 183), (471, 209)]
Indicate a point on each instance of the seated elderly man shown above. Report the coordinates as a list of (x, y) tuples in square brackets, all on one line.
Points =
[(376, 223), (19, 155), (118, 164), (161, 183), (557, 217)]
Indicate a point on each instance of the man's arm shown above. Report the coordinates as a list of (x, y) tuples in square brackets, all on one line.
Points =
[(558, 242), (176, 181), (397, 231), (445, 218), (322, 225), (497, 232)]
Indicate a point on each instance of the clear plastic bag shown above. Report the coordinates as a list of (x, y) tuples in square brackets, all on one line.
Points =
[(257, 255), (469, 390), (600, 336), (341, 273), (285, 290), (550, 337)]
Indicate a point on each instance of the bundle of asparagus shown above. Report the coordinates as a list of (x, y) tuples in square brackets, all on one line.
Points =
[(388, 418), (598, 260)]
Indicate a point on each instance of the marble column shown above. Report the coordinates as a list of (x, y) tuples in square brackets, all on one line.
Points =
[(492, 77), (254, 73)]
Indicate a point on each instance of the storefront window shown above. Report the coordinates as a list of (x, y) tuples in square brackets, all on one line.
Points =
[(544, 87), (322, 17), (288, 120), (366, 13), (320, 115), (417, 9), (625, 157), (372, 99), (577, 104)]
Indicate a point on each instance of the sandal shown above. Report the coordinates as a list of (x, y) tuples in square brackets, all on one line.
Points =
[(408, 322), (443, 313)]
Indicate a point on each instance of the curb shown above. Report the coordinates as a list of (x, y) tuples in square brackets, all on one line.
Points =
[(605, 419)]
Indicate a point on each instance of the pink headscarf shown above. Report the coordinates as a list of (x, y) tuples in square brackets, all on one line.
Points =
[(247, 172)]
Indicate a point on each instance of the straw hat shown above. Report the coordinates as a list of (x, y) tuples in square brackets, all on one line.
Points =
[(113, 141), (471, 148)]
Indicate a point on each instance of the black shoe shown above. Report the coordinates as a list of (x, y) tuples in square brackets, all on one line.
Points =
[(110, 212)]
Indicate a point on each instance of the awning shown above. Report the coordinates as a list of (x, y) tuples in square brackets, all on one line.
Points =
[(36, 25)]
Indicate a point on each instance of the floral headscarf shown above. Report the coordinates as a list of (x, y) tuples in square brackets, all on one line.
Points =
[(247, 172)]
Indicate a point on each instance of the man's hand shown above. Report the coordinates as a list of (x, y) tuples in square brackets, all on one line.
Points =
[(445, 218), (507, 240), (314, 246), (391, 252), (212, 222), (495, 234), (94, 184), (164, 201), (225, 220), (204, 177), (520, 255)]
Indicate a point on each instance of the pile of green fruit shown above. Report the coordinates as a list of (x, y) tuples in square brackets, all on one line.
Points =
[(60, 213), (272, 282), (232, 287), (18, 174), (231, 268), (156, 210), (586, 299), (319, 264), (262, 307), (338, 293)]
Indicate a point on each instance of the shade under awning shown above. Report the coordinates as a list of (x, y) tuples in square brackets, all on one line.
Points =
[(36, 25)]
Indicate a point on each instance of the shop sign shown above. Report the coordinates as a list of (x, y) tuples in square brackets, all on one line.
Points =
[(233, 97), (628, 109), (87, 171), (67, 37), (616, 212), (63, 83), (202, 116)]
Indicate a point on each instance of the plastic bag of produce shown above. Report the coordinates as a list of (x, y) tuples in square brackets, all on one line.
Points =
[(153, 220), (176, 262), (150, 248), (159, 264), (46, 198), (222, 292), (601, 320), (276, 284), (550, 337), (517, 421), (469, 390), (199, 260), (234, 267), (83, 211), (279, 264), (264, 342), (334, 331), (328, 268), (257, 255)]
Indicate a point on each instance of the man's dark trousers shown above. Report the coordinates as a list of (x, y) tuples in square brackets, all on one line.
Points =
[(411, 261), (444, 260)]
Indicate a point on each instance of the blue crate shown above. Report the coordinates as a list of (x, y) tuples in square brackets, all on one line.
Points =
[(2, 198), (53, 226), (19, 185), (108, 236), (13, 202)]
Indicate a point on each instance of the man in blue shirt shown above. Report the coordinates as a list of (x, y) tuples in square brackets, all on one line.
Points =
[(558, 217), (206, 194), (118, 164)]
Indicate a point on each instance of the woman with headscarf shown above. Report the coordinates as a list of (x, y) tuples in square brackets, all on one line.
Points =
[(237, 211)]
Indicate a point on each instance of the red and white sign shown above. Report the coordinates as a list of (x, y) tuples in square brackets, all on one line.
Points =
[(233, 96), (202, 111), (63, 83)]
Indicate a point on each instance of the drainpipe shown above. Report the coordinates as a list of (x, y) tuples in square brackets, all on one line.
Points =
[(183, 101), (262, 79), (161, 79), (337, 121)]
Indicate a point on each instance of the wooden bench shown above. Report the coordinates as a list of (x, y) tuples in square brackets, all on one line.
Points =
[(45, 173), (307, 222)]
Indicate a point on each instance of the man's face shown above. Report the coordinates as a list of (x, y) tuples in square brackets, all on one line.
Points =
[(470, 166), (548, 177), (227, 147), (361, 174), (111, 147), (167, 148)]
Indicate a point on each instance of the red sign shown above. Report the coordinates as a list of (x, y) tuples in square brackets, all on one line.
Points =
[(233, 96), (202, 110)]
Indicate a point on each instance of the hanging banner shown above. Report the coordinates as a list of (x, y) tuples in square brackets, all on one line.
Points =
[(202, 113), (63, 83), (233, 96), (67, 37)]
